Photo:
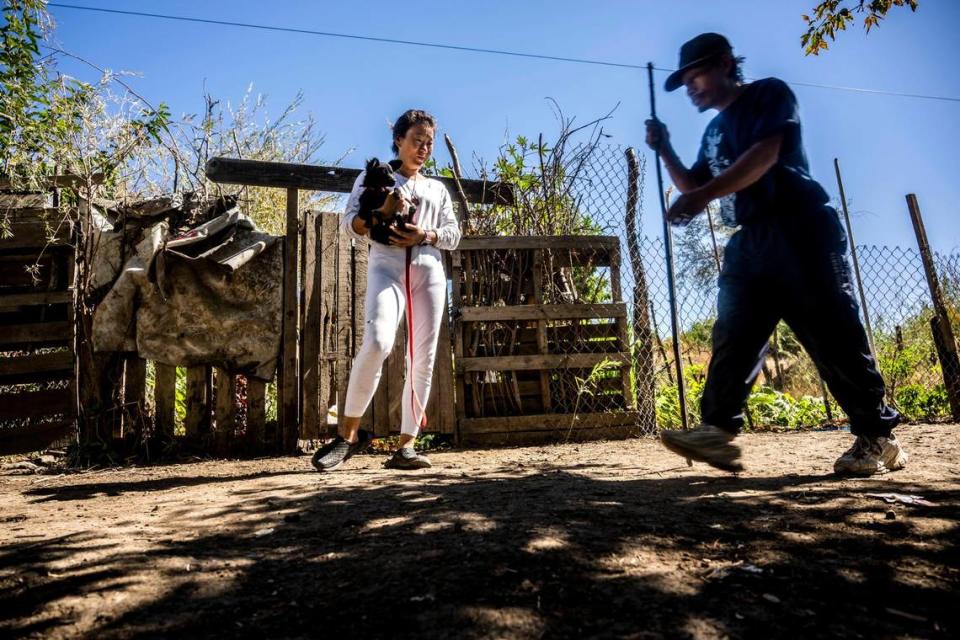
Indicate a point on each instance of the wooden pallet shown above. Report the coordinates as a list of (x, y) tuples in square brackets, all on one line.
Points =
[(38, 393), (536, 346)]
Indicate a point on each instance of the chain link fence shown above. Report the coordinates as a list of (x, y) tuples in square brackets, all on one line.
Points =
[(789, 391)]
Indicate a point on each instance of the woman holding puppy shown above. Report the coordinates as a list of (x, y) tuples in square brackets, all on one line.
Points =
[(405, 277)]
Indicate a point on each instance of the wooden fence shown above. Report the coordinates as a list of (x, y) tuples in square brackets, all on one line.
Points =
[(324, 282)]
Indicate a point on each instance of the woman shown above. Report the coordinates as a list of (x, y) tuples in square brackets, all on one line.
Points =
[(403, 278)]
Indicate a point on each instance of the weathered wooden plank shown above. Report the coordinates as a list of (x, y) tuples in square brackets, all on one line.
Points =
[(343, 339), (197, 419), (60, 180), (256, 412), (289, 387), (225, 410), (134, 392), (543, 312), (552, 422), (17, 440), (333, 179), (326, 387), (35, 235), (543, 347), (11, 301), (486, 243), (39, 333), (534, 362), (442, 395), (615, 265), (578, 434), (164, 399), (360, 256), (310, 363), (460, 400), (33, 404), (12, 367)]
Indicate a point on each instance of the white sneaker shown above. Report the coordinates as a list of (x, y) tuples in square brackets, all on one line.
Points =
[(705, 443), (872, 455)]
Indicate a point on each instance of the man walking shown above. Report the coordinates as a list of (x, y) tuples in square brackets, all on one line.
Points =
[(787, 261)]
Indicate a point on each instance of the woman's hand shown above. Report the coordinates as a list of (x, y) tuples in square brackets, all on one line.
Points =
[(413, 235)]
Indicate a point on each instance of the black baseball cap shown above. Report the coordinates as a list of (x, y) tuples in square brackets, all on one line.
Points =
[(695, 52)]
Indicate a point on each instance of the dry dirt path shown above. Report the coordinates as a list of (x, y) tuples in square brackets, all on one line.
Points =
[(608, 539)]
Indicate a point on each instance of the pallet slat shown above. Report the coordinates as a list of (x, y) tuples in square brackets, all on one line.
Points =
[(39, 333), (34, 404), (535, 362), (35, 235), (552, 422), (543, 312), (527, 438), (41, 363), (34, 437), (11, 301)]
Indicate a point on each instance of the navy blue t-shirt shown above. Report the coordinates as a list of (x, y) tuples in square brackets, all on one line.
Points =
[(765, 107)]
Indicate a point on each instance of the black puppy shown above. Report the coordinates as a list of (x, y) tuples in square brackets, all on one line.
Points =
[(381, 204)]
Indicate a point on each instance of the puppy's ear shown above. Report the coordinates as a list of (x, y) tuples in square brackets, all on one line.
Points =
[(395, 164), (372, 164)]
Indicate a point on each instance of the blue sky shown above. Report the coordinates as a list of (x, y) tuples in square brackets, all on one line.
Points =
[(888, 146)]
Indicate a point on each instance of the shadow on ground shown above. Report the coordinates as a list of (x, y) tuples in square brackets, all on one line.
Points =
[(538, 554)]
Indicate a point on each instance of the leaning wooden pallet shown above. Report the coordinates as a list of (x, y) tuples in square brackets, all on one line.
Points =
[(540, 355), (38, 395)]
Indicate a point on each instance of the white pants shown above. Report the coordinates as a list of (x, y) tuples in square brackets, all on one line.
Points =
[(386, 303)]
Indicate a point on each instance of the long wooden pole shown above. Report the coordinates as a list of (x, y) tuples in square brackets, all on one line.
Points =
[(668, 250)]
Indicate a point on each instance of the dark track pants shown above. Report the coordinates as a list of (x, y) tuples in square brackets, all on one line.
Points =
[(792, 268)]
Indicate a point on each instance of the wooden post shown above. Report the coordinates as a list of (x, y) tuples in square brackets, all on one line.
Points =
[(256, 415), (288, 405), (458, 328), (314, 410), (344, 320), (442, 394), (134, 390), (943, 336), (542, 342), (642, 348), (225, 412)]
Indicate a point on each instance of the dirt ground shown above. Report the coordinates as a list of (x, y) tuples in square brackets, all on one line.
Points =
[(607, 539)]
